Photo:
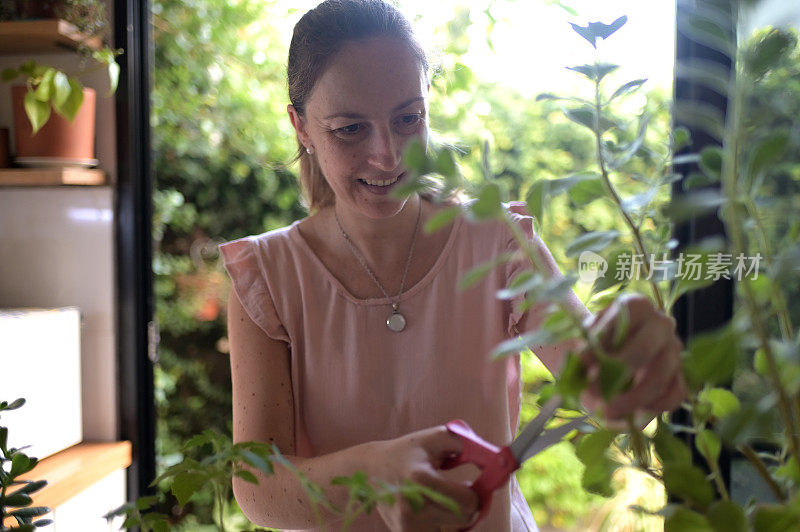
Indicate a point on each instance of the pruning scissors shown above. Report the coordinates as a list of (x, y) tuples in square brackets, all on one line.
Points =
[(498, 463)]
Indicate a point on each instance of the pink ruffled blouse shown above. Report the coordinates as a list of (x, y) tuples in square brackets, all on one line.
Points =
[(355, 381)]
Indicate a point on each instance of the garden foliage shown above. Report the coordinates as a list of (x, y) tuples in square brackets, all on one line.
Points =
[(596, 177)]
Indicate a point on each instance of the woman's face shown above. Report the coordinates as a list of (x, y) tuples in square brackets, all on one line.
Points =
[(369, 102)]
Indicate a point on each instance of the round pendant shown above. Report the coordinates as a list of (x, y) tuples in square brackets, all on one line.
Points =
[(396, 322)]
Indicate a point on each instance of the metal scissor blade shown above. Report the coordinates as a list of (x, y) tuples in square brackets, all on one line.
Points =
[(534, 429), (550, 437)]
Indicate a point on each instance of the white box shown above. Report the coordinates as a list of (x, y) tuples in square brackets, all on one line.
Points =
[(40, 360)]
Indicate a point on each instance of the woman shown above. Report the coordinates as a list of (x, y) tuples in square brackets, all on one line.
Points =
[(351, 345)]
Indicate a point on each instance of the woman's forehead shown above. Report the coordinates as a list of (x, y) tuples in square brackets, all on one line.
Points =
[(372, 75)]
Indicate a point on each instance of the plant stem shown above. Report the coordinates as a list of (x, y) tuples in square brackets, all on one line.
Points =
[(785, 320), (753, 458), (717, 474), (638, 445), (637, 237), (729, 173)]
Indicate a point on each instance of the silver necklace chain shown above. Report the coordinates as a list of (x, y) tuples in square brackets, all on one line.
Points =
[(360, 257)]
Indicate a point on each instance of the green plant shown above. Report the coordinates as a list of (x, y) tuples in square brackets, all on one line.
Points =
[(738, 179), (16, 504), (52, 89), (188, 477)]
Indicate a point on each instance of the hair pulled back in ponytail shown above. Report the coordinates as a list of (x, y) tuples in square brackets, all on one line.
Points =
[(318, 37)]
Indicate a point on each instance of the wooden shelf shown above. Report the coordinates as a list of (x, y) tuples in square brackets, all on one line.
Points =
[(51, 176), (37, 36), (72, 470)]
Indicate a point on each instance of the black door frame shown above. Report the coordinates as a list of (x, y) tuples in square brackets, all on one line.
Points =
[(135, 318)]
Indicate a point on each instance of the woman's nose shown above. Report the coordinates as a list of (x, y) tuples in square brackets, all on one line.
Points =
[(385, 150)]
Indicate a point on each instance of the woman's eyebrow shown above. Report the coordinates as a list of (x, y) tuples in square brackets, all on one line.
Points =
[(359, 115)]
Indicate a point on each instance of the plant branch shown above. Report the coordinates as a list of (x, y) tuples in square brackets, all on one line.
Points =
[(761, 468), (785, 320), (637, 237), (731, 218)]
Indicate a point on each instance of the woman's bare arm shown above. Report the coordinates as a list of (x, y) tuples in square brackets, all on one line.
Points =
[(552, 356), (263, 410)]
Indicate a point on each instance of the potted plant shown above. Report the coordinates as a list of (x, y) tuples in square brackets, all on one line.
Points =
[(15, 493), (65, 136)]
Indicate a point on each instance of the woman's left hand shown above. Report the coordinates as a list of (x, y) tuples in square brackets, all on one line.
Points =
[(650, 348)]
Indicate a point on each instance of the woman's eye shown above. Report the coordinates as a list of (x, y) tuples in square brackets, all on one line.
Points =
[(409, 122), (352, 129)]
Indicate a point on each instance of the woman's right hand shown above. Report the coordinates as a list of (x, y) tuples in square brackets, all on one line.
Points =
[(417, 457)]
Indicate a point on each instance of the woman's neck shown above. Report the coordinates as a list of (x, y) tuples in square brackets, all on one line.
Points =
[(384, 242)]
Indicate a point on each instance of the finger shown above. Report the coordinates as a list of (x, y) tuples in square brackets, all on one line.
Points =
[(440, 443), (650, 383), (646, 342), (464, 496), (676, 393), (668, 398)]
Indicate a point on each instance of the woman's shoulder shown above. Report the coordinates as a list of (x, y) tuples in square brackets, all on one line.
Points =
[(254, 248), (498, 228), (272, 236)]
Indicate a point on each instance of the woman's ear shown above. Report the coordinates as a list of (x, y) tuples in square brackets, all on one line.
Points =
[(299, 124)]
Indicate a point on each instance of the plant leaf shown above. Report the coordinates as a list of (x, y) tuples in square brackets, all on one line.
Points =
[(73, 102), (689, 483), (693, 204), (686, 520), (615, 377), (709, 445), (669, 448), (585, 116), (595, 72), (535, 198), (767, 151), (446, 164), (727, 516), (38, 112), (44, 89), (587, 190), (415, 157), (593, 241), (722, 402), (592, 451), (772, 517), (113, 77), (9, 74), (442, 218), (186, 484), (628, 88), (479, 272), (768, 51), (61, 89), (711, 162), (247, 476), (711, 357), (488, 205), (598, 30), (21, 463)]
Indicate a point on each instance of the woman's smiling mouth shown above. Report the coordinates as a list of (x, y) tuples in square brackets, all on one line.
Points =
[(386, 183)]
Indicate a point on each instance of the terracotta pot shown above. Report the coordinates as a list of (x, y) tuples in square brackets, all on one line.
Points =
[(58, 138)]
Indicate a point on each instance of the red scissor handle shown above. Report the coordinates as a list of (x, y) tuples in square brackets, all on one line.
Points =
[(496, 464)]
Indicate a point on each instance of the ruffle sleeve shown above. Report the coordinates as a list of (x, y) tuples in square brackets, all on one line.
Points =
[(519, 214), (250, 284)]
